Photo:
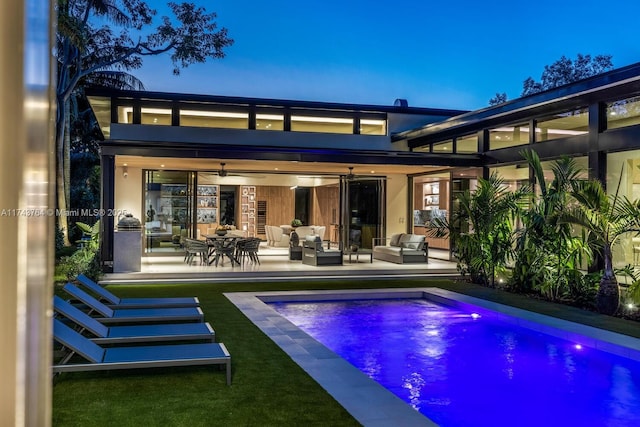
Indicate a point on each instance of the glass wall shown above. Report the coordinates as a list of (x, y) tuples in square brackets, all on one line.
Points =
[(167, 203), (214, 119), (269, 122), (623, 113), (373, 127), (125, 114), (508, 136), (627, 164), (443, 147), (155, 116), (321, 124), (563, 125), (467, 144)]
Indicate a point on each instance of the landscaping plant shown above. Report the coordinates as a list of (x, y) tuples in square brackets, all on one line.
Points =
[(490, 211)]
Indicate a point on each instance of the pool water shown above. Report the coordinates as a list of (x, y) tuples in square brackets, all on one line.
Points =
[(461, 369)]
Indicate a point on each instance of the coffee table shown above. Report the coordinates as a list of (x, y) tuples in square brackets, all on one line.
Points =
[(359, 252)]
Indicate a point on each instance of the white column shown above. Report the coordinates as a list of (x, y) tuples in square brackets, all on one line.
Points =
[(26, 245)]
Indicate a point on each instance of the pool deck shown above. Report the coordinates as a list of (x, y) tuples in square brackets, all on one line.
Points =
[(366, 400)]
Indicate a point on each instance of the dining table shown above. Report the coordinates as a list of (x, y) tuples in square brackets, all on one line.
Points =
[(221, 246)]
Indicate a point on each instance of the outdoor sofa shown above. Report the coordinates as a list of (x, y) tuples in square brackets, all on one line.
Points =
[(401, 248)]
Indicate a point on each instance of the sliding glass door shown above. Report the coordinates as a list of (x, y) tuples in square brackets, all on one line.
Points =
[(363, 210), (168, 210)]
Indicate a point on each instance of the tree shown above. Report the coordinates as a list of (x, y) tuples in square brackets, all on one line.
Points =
[(500, 98), (561, 72), (565, 71), (89, 49)]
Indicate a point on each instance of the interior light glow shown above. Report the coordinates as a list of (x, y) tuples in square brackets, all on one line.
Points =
[(372, 122), (630, 306), (563, 131), (293, 187), (269, 117), (224, 114), (161, 166), (578, 347), (125, 164), (320, 119), (475, 316), (152, 110)]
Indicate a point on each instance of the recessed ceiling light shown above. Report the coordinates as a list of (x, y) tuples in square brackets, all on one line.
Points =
[(124, 164), (161, 166), (373, 171), (276, 169)]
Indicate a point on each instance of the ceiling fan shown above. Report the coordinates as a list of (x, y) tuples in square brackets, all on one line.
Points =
[(222, 172), (353, 177)]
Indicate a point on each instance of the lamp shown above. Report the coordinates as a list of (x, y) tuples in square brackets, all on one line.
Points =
[(125, 172)]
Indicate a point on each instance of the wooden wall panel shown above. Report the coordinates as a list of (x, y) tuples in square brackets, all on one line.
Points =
[(325, 209), (280, 204)]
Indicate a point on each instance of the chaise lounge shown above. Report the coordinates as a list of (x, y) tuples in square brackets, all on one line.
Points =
[(401, 249), (182, 314), (136, 357), (133, 334), (114, 301)]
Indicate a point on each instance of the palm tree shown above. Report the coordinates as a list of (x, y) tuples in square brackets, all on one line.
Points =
[(490, 210), (548, 255), (604, 219)]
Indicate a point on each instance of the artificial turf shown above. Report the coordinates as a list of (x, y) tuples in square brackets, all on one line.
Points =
[(268, 388)]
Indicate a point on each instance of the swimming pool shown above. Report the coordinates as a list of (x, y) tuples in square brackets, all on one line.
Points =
[(470, 365)]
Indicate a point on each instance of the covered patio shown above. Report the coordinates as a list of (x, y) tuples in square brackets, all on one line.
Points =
[(275, 265)]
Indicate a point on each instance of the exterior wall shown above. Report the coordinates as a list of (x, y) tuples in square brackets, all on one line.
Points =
[(246, 137), (128, 192), (397, 202)]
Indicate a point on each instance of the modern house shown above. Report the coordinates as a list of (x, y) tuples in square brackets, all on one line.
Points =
[(185, 163)]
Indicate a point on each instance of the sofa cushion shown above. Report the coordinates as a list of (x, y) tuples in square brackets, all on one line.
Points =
[(313, 240), (395, 239), (411, 241), (391, 250)]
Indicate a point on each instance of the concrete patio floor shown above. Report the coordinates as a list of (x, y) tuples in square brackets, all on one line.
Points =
[(275, 265)]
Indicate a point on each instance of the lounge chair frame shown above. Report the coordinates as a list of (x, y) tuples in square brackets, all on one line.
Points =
[(113, 301), (103, 334), (136, 315), (136, 357)]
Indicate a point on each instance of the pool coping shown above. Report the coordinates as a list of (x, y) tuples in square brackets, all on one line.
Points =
[(367, 401)]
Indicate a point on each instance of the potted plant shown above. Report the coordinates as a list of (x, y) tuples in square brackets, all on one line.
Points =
[(222, 229), (296, 223)]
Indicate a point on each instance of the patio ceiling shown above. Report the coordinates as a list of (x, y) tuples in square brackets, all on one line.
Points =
[(275, 167)]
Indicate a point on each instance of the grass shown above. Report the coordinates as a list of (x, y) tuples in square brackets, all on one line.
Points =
[(268, 388)]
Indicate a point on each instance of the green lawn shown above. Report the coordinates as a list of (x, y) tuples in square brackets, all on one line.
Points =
[(268, 389)]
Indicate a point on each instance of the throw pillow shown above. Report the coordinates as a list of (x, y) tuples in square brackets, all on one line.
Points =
[(395, 239)]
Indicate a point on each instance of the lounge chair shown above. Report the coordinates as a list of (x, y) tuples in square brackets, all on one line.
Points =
[(114, 301), (133, 334), (135, 357), (153, 315)]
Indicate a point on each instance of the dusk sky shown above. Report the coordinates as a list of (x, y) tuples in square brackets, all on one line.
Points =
[(452, 54)]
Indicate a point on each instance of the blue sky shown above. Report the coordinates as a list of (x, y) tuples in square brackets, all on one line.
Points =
[(452, 54)]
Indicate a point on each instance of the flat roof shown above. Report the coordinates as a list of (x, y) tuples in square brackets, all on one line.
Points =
[(612, 85), (268, 102)]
